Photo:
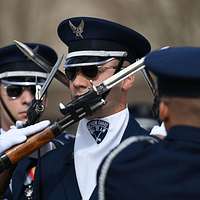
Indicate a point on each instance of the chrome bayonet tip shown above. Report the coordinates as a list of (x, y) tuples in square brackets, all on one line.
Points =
[(24, 48), (61, 106)]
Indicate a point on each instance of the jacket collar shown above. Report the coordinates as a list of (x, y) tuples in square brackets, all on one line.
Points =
[(184, 133), (70, 182), (133, 128)]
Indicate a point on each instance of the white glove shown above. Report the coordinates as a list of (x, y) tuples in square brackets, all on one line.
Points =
[(15, 136), (159, 131)]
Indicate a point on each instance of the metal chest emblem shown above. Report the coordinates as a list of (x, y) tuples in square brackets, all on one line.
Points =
[(98, 129), (77, 30)]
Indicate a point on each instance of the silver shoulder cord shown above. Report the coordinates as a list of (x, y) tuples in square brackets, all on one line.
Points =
[(111, 157)]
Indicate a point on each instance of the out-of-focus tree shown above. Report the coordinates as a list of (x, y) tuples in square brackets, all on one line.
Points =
[(173, 22), (163, 22)]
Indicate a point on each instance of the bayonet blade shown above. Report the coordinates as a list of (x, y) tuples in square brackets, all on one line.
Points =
[(41, 62), (149, 81), (50, 78)]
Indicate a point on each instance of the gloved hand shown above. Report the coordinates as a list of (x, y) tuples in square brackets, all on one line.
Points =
[(159, 131), (15, 136)]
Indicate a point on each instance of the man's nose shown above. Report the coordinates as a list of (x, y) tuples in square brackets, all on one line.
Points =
[(27, 96), (80, 81)]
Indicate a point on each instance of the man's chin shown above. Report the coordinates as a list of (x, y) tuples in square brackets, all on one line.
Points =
[(96, 114), (22, 117)]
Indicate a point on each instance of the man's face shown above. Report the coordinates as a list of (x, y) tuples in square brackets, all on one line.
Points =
[(82, 83), (19, 105)]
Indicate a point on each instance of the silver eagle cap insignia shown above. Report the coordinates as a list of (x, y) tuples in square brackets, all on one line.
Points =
[(77, 30)]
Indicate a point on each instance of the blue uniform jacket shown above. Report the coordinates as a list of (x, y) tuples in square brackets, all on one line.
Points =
[(57, 171), (19, 174), (168, 170)]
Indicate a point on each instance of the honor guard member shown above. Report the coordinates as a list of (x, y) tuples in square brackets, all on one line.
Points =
[(138, 169), (97, 49), (19, 78)]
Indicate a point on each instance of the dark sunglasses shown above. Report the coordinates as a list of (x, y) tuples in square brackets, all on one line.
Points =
[(15, 91), (89, 66), (88, 71)]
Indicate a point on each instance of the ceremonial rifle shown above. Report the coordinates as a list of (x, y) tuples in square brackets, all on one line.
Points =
[(74, 111)]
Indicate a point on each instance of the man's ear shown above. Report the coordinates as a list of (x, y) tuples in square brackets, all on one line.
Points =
[(163, 111), (0, 88), (127, 83), (45, 101)]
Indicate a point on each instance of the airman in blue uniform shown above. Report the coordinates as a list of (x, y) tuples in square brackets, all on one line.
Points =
[(98, 49), (19, 78), (142, 168)]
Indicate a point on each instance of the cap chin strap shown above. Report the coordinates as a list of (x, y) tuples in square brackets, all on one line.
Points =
[(7, 111)]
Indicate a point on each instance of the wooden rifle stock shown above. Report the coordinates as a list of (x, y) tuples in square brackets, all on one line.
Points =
[(18, 152)]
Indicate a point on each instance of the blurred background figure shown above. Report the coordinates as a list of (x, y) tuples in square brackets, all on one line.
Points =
[(144, 115)]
